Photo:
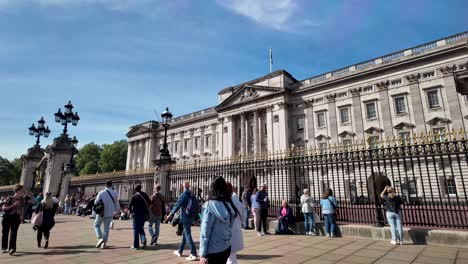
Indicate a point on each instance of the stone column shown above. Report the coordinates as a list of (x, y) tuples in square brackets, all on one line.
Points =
[(192, 142), (228, 144), (357, 112), (309, 121), (283, 127), (128, 166), (220, 132), (332, 117), (134, 154), (417, 103), (269, 122), (69, 174), (243, 141), (255, 132), (30, 161), (58, 155), (452, 97), (181, 144), (172, 143), (385, 107), (213, 139), (202, 140)]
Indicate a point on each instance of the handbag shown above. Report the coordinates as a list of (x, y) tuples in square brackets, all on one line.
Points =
[(37, 219)]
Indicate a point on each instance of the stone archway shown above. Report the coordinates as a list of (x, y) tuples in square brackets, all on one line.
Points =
[(376, 183)]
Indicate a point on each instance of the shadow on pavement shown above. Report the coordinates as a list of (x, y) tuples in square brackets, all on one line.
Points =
[(257, 257)]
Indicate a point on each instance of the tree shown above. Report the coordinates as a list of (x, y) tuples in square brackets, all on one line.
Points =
[(10, 172), (113, 156), (87, 159)]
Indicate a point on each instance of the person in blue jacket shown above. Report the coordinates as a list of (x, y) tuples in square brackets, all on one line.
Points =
[(328, 204), (187, 221), (217, 222)]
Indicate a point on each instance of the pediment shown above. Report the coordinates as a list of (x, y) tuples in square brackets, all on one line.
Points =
[(249, 93), (374, 130), (136, 130), (436, 121)]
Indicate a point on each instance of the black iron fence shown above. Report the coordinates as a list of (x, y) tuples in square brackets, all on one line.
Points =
[(428, 172)]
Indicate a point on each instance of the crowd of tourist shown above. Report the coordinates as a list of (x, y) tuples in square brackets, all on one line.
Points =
[(222, 216)]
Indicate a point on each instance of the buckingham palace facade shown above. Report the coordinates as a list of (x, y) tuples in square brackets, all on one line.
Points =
[(416, 90)]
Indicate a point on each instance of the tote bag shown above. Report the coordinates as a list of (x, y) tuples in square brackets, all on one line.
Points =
[(37, 219)]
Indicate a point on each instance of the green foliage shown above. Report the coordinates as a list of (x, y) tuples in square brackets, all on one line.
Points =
[(93, 158), (10, 171), (113, 156), (88, 158)]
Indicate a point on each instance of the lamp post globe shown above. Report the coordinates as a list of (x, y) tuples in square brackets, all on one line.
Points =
[(67, 117), (166, 118), (40, 130)]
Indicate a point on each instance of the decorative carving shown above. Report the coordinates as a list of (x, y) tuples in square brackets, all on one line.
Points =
[(413, 78), (382, 85), (248, 93), (282, 105), (225, 129), (275, 118), (355, 91), (270, 108), (309, 102), (447, 70), (331, 97)]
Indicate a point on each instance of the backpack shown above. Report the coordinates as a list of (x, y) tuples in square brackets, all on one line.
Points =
[(193, 207), (99, 207)]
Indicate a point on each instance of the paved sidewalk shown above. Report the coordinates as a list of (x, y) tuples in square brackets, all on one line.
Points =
[(73, 240)]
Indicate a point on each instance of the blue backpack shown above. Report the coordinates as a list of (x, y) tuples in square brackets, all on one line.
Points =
[(193, 207)]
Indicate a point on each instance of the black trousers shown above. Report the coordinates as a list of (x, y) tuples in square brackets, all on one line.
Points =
[(10, 225), (220, 257), (42, 230), (263, 219)]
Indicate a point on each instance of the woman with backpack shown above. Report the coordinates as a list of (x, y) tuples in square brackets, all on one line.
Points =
[(217, 223), (48, 209), (328, 204)]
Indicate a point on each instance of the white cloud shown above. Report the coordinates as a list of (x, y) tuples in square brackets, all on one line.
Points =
[(278, 14)]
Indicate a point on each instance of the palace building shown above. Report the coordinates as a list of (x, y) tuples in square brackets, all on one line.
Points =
[(417, 90)]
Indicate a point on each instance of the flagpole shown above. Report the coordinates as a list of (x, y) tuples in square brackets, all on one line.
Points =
[(271, 58)]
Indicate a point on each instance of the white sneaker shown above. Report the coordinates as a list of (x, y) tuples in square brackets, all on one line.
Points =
[(307, 233), (191, 258), (393, 242), (4, 251), (263, 233), (99, 242), (112, 225), (259, 234), (177, 253), (103, 246), (401, 243)]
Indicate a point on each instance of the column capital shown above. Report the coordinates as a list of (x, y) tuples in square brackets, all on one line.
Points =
[(447, 70), (220, 119), (282, 105), (382, 85), (229, 118), (269, 108), (413, 78), (192, 129), (331, 97), (355, 91)]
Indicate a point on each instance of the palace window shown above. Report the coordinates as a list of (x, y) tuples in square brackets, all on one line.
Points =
[(400, 105), (344, 115), (405, 137), (318, 100), (347, 142), (343, 94), (439, 134), (428, 74), (433, 99), (449, 185), (300, 123), (371, 110), (374, 142), (322, 145), (176, 146), (321, 123), (197, 140), (207, 140), (395, 82), (186, 145)]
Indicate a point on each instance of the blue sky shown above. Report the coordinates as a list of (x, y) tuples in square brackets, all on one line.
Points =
[(119, 61)]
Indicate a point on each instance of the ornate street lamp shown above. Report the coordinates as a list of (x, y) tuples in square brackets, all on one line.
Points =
[(166, 118), (67, 117), (71, 165), (40, 130)]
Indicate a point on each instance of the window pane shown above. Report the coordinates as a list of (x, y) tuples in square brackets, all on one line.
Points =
[(439, 134), (300, 123), (371, 111), (344, 115), (433, 99), (451, 186), (400, 106), (321, 119)]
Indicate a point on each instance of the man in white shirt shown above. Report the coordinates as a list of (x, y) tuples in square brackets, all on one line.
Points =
[(111, 204)]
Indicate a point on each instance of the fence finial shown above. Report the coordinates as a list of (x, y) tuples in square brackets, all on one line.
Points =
[(421, 137), (462, 133)]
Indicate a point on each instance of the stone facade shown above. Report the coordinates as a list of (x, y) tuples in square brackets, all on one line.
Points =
[(396, 95)]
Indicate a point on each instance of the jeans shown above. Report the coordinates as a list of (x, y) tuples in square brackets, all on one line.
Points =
[(187, 237), (263, 220), (396, 227), (247, 211), (66, 209), (256, 215), (309, 222), (10, 225), (138, 230), (97, 227), (330, 224), (156, 221)]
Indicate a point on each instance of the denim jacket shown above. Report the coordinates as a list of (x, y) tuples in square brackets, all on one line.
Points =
[(182, 204), (327, 207), (216, 228)]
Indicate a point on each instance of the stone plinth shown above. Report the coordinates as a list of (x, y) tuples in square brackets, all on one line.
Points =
[(30, 161), (161, 177), (58, 155)]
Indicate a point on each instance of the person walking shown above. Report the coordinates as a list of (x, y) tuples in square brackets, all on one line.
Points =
[(255, 209), (217, 224), (139, 208), (328, 204), (187, 218), (247, 206), (237, 240), (393, 205), (157, 208), (13, 211), (67, 205), (264, 202), (307, 210), (109, 199), (48, 208)]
